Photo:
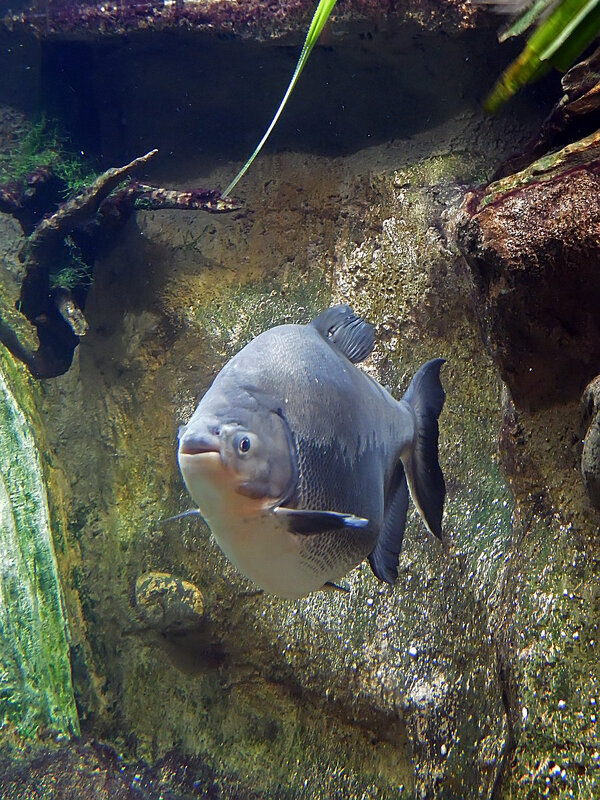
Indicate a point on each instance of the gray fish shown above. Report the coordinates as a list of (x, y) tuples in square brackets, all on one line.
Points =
[(301, 463)]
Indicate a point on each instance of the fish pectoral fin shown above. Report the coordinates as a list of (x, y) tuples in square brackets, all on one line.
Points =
[(333, 587), (309, 523), (191, 512), (384, 558)]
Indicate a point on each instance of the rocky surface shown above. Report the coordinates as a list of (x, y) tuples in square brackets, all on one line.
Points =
[(250, 19), (89, 770), (532, 242), (167, 603), (590, 457)]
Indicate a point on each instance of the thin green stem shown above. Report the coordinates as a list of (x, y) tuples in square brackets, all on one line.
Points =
[(319, 19)]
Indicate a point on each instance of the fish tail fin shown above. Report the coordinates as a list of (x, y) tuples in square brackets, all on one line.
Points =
[(426, 396)]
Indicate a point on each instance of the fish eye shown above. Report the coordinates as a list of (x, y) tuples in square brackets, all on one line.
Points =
[(242, 443)]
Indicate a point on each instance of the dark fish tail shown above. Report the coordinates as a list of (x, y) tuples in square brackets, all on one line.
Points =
[(426, 396)]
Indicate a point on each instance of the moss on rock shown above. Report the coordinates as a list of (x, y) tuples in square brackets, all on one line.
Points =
[(36, 689)]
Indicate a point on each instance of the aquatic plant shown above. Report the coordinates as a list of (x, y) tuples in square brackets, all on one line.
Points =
[(318, 21), (74, 271), (40, 145), (564, 30)]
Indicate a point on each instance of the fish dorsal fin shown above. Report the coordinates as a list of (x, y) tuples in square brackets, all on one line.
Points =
[(352, 336)]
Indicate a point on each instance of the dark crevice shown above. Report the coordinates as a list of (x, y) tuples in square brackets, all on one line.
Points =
[(506, 693)]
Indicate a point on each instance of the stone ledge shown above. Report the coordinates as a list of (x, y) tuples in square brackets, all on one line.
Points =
[(244, 19)]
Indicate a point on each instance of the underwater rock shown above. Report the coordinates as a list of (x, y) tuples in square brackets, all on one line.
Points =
[(93, 770), (590, 458), (247, 19), (167, 603), (532, 241), (36, 687)]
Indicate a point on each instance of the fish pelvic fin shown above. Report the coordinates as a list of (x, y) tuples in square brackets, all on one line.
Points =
[(384, 558), (426, 396), (352, 336)]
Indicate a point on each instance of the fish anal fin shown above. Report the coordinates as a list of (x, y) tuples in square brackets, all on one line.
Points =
[(425, 478), (308, 523), (384, 558), (333, 587), (350, 334)]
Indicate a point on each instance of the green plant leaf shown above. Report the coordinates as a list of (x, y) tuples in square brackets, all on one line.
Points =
[(560, 25), (557, 41), (526, 18), (580, 37), (319, 19)]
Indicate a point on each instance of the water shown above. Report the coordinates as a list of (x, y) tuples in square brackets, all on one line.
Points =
[(414, 691)]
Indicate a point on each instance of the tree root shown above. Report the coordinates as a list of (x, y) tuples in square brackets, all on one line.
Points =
[(76, 230)]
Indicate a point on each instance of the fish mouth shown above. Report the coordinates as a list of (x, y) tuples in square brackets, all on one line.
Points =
[(198, 445), (203, 465)]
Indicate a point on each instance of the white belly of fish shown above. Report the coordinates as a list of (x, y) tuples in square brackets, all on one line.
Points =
[(256, 542), (264, 551)]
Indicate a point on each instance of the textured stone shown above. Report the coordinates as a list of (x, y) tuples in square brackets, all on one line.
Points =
[(590, 457), (167, 603), (36, 688), (532, 241), (246, 19), (90, 770)]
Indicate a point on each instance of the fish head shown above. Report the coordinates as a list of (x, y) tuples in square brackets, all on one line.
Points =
[(234, 450)]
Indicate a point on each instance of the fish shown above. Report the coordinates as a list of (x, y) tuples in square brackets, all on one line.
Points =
[(301, 463)]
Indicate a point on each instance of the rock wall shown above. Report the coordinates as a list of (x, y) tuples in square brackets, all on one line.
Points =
[(537, 296), (36, 688)]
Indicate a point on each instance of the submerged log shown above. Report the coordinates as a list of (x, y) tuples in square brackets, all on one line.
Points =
[(78, 226)]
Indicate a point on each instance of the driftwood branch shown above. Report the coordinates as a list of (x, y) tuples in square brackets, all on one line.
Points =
[(79, 224), (80, 208), (576, 113)]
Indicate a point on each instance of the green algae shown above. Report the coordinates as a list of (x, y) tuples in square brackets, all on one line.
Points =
[(36, 689), (38, 144)]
